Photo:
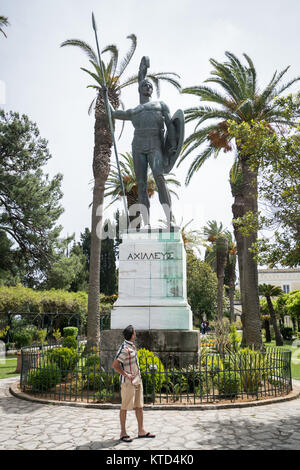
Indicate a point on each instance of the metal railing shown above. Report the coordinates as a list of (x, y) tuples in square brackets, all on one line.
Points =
[(79, 375)]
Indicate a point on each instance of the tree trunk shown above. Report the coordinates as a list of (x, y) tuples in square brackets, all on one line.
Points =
[(221, 255), (231, 301), (246, 200), (101, 167), (278, 337), (267, 330)]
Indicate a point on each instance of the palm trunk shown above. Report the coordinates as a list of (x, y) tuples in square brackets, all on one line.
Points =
[(231, 301), (246, 200), (101, 167), (221, 255), (278, 337), (267, 330), (132, 200), (232, 278)]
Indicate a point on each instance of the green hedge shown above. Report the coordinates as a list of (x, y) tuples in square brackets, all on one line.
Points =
[(44, 378)]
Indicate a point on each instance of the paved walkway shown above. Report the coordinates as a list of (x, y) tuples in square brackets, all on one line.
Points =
[(25, 425)]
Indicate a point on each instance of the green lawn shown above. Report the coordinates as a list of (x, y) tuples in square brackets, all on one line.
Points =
[(295, 355), (8, 367)]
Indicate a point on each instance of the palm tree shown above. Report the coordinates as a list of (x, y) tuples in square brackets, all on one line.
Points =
[(268, 291), (113, 71), (239, 100), (113, 185), (217, 257), (3, 22)]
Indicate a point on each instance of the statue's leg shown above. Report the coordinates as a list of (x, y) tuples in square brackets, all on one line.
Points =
[(140, 162), (156, 164)]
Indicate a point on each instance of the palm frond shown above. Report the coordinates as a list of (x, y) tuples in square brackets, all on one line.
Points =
[(198, 162), (85, 47), (125, 61), (112, 48)]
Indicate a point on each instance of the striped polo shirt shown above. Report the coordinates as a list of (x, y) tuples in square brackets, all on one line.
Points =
[(127, 356)]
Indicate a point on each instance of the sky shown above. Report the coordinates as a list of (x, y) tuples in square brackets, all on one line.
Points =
[(44, 81)]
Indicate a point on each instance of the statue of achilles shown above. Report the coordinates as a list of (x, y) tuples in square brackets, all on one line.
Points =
[(150, 145)]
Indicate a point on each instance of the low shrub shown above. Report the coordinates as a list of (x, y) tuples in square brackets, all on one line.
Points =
[(44, 378), (92, 360), (98, 379), (287, 333), (228, 384), (22, 338), (70, 342), (70, 331), (251, 364), (146, 358), (64, 358)]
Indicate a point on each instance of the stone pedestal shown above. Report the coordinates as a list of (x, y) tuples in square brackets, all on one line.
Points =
[(174, 347), (152, 297), (152, 282)]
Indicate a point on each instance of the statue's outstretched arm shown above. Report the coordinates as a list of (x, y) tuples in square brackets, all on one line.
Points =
[(121, 114)]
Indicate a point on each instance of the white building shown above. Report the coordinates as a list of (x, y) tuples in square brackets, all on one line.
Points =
[(287, 279)]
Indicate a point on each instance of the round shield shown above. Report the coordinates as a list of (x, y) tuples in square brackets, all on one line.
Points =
[(171, 157)]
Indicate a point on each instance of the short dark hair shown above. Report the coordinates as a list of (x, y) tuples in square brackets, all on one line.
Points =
[(128, 332)]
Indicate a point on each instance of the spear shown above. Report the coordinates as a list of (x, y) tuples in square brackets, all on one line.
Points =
[(108, 110)]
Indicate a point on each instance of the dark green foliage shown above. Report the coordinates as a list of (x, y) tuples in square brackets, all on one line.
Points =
[(287, 333), (21, 338), (70, 331), (65, 358), (97, 378), (92, 360), (202, 286), (70, 342), (146, 358), (228, 384), (29, 199), (44, 378)]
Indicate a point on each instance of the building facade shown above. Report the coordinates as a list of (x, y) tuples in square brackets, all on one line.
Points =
[(287, 279)]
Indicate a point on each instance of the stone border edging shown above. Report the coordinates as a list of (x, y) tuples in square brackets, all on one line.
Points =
[(293, 395)]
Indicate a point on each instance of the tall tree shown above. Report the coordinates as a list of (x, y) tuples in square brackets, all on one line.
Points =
[(269, 291), (29, 199), (113, 71), (202, 286), (217, 237), (240, 100)]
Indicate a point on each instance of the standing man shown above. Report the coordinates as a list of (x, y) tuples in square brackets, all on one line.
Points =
[(127, 365), (149, 120)]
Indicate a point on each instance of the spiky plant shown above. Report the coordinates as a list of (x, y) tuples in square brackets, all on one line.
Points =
[(238, 99), (269, 291), (113, 71)]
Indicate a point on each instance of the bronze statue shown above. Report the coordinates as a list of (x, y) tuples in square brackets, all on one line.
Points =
[(150, 145)]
